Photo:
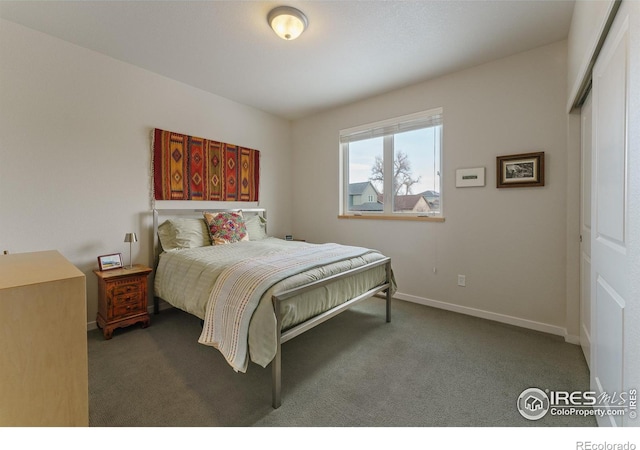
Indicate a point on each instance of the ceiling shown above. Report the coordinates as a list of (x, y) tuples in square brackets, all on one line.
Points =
[(350, 51)]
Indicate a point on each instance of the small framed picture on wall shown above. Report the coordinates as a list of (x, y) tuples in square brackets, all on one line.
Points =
[(522, 170)]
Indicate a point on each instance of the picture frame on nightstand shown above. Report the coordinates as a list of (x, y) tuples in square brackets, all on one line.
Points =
[(109, 262)]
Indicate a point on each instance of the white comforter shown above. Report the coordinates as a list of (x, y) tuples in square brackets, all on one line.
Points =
[(186, 279), (239, 288)]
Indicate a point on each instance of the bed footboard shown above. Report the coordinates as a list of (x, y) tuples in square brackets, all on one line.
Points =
[(282, 337)]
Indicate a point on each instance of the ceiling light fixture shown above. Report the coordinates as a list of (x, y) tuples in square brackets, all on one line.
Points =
[(287, 22)]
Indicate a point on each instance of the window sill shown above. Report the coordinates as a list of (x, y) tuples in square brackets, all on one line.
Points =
[(398, 217)]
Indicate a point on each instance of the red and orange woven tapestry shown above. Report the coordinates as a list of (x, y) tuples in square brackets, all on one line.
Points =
[(193, 168)]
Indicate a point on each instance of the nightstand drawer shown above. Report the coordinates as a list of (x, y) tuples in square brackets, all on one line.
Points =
[(124, 305), (130, 287)]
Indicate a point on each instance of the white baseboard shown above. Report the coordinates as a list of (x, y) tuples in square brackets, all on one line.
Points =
[(510, 320), (572, 339)]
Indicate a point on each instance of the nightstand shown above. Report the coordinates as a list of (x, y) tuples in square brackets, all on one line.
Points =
[(122, 298)]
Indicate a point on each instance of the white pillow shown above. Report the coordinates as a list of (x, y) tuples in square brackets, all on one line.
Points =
[(256, 227), (176, 234)]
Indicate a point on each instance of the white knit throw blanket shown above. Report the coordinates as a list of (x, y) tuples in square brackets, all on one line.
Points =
[(240, 287)]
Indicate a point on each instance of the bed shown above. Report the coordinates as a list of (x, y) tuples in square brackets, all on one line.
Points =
[(254, 292)]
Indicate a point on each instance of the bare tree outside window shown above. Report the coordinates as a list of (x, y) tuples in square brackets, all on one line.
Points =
[(403, 179)]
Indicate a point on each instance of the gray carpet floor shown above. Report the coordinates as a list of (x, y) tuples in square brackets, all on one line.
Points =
[(427, 368)]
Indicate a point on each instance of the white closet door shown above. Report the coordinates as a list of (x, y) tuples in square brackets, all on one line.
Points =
[(609, 233), (585, 231)]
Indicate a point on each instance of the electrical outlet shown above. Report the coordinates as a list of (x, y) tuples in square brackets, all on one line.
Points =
[(462, 280)]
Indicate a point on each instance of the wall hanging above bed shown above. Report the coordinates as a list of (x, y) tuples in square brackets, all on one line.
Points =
[(193, 168)]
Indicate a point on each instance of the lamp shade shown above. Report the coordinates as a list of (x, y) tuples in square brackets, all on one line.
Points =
[(130, 237), (287, 22)]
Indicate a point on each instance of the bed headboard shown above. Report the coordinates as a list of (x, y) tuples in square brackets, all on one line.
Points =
[(160, 215)]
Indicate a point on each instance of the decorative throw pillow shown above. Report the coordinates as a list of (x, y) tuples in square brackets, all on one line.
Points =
[(256, 227), (226, 227)]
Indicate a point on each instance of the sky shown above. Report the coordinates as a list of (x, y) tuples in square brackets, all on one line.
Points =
[(417, 144)]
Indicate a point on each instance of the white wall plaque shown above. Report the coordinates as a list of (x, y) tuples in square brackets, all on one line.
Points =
[(470, 177)]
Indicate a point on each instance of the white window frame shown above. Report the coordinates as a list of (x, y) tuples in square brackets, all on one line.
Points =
[(387, 128)]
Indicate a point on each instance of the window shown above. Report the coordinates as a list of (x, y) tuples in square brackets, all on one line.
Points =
[(393, 167)]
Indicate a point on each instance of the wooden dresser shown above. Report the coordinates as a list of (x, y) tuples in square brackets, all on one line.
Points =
[(122, 298), (44, 374)]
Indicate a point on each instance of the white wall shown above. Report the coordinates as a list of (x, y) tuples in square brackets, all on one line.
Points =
[(510, 243), (75, 148)]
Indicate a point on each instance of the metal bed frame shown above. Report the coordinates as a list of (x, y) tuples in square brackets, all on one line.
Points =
[(282, 337), (278, 298)]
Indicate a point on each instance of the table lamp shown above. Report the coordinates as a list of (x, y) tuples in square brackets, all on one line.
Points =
[(130, 238)]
